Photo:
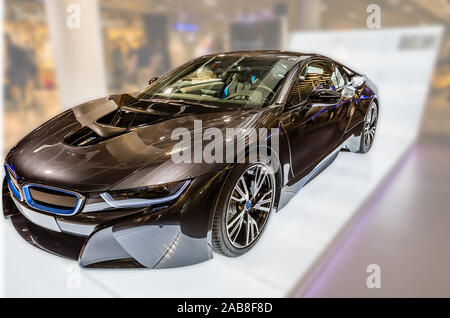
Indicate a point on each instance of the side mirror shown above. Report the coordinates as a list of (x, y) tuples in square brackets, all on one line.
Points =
[(152, 80), (358, 81), (325, 96)]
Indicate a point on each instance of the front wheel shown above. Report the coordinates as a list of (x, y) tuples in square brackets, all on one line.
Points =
[(244, 207), (369, 128)]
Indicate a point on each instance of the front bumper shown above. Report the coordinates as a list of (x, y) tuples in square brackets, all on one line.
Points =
[(171, 237)]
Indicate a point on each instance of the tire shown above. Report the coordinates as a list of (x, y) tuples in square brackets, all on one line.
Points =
[(241, 216), (369, 128)]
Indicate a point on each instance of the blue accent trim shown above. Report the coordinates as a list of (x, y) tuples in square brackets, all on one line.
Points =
[(225, 92), (363, 97), (33, 204), (145, 202), (13, 188), (330, 107)]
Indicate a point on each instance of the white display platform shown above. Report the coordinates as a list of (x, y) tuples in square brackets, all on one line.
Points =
[(295, 237)]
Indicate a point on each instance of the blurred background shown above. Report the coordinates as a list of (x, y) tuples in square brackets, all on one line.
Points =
[(145, 38), (389, 207)]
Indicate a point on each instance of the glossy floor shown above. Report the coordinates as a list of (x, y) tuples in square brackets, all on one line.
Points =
[(293, 242), (404, 229)]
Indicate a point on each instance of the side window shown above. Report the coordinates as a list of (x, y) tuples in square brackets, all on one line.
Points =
[(317, 75)]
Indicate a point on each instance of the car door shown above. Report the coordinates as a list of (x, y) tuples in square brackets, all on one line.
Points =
[(312, 116), (348, 104)]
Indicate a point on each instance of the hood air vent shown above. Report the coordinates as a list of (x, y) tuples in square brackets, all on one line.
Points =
[(127, 118), (112, 124), (83, 137)]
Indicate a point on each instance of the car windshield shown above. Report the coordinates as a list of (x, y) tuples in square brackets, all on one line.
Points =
[(223, 80)]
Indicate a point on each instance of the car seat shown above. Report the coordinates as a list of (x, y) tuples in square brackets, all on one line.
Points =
[(240, 84)]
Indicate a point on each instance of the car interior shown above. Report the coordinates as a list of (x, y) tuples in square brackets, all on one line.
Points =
[(237, 83)]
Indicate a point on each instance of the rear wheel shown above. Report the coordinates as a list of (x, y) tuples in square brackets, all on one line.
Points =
[(369, 129), (244, 207)]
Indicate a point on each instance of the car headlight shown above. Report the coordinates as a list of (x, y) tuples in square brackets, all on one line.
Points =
[(135, 198)]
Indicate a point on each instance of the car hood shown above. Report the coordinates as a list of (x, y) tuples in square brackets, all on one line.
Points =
[(85, 150)]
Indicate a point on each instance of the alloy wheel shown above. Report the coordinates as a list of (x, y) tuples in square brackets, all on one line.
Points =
[(250, 205), (370, 125)]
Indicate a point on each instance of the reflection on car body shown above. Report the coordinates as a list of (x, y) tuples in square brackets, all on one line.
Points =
[(97, 183)]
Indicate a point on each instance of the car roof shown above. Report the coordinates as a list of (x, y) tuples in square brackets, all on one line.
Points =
[(273, 53), (297, 56)]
